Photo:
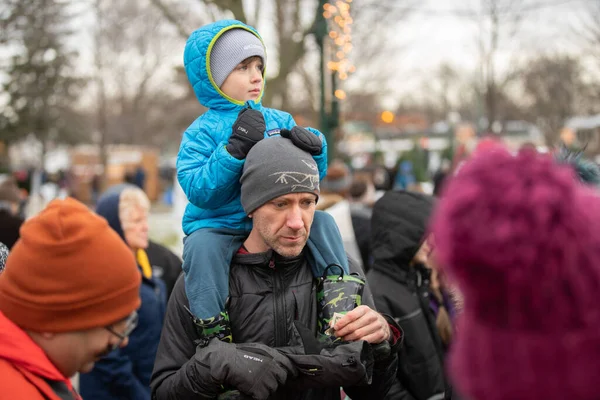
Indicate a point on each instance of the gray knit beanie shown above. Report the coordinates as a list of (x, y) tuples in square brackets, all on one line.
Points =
[(275, 167), (3, 256), (230, 49)]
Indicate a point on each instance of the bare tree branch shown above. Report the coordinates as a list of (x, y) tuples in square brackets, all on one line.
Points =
[(173, 19), (236, 7), (257, 11)]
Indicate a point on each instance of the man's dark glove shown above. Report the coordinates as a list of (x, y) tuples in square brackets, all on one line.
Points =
[(324, 363), (233, 395), (304, 139), (248, 129), (254, 369)]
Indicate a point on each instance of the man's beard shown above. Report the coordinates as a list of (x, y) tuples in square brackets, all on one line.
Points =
[(285, 251)]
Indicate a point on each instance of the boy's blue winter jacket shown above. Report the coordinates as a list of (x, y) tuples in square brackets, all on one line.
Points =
[(208, 174)]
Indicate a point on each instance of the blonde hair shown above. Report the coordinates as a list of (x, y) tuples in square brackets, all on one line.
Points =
[(130, 199)]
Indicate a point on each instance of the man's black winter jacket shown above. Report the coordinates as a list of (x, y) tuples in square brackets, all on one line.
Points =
[(267, 294)]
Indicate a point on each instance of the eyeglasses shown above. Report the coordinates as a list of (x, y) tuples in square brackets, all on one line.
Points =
[(130, 325)]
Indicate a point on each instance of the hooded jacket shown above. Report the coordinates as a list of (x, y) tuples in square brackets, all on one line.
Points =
[(398, 229), (268, 293), (26, 371), (125, 373), (207, 173)]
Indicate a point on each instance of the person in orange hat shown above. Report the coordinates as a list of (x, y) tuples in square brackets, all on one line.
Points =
[(68, 296), (125, 373)]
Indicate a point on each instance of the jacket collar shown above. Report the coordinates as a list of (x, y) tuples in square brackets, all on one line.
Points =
[(268, 259)]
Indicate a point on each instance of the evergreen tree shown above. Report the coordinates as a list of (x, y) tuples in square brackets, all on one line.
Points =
[(38, 86)]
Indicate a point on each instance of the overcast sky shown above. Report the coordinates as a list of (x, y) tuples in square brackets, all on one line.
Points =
[(444, 31)]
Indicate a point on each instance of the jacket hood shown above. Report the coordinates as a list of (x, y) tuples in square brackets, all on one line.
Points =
[(19, 349), (108, 208), (196, 60), (398, 227)]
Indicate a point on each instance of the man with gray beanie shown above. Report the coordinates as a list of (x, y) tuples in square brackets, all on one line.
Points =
[(225, 64), (275, 350)]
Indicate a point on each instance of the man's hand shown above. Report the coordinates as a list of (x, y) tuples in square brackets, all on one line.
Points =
[(254, 369), (363, 323)]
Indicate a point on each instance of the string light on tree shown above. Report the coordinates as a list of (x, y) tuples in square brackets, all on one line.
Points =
[(340, 94), (340, 33)]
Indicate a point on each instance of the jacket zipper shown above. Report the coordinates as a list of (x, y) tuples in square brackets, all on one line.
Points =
[(280, 318)]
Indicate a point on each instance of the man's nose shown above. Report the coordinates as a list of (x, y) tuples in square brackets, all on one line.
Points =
[(294, 219), (124, 343)]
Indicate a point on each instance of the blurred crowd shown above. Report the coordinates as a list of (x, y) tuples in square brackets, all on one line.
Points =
[(301, 277), (495, 238)]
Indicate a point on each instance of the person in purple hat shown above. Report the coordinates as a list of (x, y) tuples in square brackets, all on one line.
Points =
[(518, 236)]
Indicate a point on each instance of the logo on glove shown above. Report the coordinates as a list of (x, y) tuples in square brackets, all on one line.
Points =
[(253, 358)]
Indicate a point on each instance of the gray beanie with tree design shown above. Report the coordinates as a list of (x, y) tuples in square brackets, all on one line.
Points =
[(275, 167)]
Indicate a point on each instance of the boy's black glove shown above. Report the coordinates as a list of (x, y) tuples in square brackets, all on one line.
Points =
[(248, 129), (252, 368), (304, 139)]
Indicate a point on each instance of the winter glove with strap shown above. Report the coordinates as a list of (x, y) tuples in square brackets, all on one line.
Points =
[(254, 369), (248, 129)]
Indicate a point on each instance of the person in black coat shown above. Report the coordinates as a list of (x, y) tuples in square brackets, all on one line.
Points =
[(166, 265), (267, 344), (10, 221), (360, 212), (402, 283)]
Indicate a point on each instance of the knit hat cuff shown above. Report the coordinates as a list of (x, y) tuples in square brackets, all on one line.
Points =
[(276, 167), (496, 363), (72, 316), (266, 196)]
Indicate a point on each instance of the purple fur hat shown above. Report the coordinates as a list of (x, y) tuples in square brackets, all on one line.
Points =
[(520, 237)]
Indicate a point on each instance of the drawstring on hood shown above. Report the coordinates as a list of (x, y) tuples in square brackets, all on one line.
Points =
[(108, 207)]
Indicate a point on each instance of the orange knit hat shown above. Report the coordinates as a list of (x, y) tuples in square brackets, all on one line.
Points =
[(69, 271)]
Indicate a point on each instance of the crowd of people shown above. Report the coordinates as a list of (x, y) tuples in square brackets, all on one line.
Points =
[(302, 279)]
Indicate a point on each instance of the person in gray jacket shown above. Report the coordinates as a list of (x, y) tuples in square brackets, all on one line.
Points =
[(271, 349)]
